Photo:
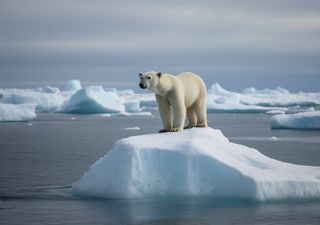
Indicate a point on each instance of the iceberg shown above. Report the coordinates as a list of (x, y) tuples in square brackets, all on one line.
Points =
[(213, 107), (93, 99), (45, 102), (198, 162), (21, 112), (72, 85), (252, 100), (303, 120), (132, 106)]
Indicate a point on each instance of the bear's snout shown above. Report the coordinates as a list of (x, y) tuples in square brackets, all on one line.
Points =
[(141, 86)]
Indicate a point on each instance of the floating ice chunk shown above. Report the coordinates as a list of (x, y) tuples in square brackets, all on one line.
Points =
[(45, 102), (304, 120), (132, 128), (199, 162), (132, 106), (21, 112), (93, 99), (72, 85), (274, 112), (278, 97), (273, 138), (213, 107)]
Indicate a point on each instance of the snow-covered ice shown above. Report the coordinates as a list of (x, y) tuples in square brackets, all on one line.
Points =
[(21, 112), (213, 107), (304, 120), (199, 162), (72, 85), (132, 106), (93, 99), (274, 112), (252, 100), (45, 102)]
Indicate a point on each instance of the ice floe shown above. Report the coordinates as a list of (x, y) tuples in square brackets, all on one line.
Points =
[(45, 102), (252, 100), (199, 162), (303, 120), (101, 100), (93, 99), (21, 112)]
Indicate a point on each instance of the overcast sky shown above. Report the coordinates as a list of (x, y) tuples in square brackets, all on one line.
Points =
[(236, 43)]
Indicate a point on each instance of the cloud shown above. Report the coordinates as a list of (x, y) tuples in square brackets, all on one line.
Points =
[(135, 25), (207, 34)]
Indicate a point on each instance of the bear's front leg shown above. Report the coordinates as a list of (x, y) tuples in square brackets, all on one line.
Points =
[(179, 116), (165, 113)]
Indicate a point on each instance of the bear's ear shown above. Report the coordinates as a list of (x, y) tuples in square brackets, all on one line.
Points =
[(159, 74), (140, 74)]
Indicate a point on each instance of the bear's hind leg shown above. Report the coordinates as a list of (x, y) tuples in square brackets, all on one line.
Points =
[(192, 117), (201, 112)]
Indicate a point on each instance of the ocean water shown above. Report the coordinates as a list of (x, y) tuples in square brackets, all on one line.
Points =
[(40, 159)]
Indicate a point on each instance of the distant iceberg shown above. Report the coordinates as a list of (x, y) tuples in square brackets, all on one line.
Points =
[(304, 120), (221, 100), (72, 85), (278, 90), (45, 102), (199, 162), (132, 106), (93, 99), (214, 107), (21, 112), (252, 100)]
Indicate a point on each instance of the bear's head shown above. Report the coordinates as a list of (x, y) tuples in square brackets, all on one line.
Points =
[(149, 80)]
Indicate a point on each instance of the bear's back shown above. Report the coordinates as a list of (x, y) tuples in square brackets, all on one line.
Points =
[(193, 86)]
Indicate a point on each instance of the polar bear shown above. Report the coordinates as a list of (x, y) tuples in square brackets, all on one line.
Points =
[(178, 97)]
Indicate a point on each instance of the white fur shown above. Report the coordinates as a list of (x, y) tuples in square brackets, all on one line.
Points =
[(178, 97)]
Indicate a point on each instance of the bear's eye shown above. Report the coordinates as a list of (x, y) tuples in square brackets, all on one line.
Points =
[(148, 78)]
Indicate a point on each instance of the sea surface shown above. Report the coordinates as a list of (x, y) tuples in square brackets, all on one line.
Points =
[(40, 159)]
